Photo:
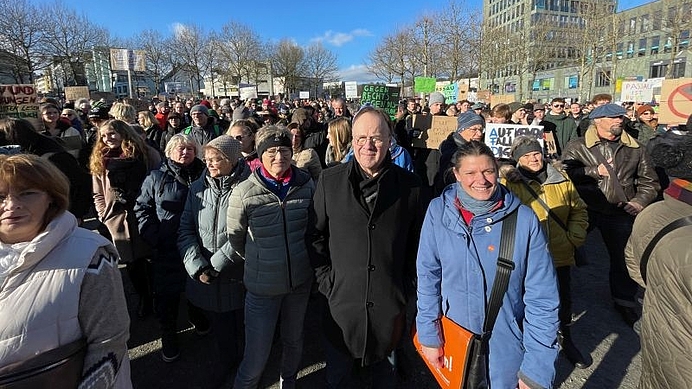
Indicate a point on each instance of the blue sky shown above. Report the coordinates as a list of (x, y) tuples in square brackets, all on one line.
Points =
[(350, 29)]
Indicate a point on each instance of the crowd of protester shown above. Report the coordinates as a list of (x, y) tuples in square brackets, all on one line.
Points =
[(249, 209)]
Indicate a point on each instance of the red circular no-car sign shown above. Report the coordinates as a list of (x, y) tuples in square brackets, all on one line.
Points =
[(685, 92)]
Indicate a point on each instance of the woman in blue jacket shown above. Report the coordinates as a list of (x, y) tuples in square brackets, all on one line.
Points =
[(158, 209), (456, 267)]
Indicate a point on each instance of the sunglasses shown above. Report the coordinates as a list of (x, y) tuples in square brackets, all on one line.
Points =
[(558, 106)]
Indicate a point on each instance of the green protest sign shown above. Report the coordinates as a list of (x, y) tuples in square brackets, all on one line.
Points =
[(381, 96), (424, 84)]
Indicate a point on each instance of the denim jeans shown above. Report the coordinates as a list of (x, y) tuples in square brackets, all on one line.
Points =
[(340, 370), (615, 230), (261, 315)]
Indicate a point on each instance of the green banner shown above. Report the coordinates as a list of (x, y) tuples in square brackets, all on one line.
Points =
[(381, 96), (424, 84)]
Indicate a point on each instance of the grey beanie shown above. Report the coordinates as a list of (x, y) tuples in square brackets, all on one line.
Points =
[(527, 146), (227, 145), (436, 97), (199, 108), (468, 119)]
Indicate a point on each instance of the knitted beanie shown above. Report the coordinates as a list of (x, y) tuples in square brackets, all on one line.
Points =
[(226, 145)]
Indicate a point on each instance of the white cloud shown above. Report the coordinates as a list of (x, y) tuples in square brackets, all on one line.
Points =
[(178, 28), (358, 73), (338, 39)]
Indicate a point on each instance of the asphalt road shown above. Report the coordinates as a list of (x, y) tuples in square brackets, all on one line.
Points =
[(597, 330)]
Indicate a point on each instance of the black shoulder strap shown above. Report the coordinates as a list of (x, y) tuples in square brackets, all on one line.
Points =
[(544, 205), (505, 265), (613, 177), (682, 222)]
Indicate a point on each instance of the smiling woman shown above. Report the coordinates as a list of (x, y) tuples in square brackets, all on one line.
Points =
[(59, 302), (458, 261)]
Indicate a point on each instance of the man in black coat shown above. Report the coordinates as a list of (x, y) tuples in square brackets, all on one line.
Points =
[(368, 217)]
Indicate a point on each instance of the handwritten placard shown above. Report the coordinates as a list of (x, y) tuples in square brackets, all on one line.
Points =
[(500, 137), (20, 101), (433, 130), (381, 96)]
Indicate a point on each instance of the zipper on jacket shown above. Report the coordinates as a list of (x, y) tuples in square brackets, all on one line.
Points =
[(288, 252)]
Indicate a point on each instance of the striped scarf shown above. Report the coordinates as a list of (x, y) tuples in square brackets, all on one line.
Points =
[(681, 190)]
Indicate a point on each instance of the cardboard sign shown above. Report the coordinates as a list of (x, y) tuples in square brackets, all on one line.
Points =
[(248, 92), (124, 59), (501, 99), (462, 91), (500, 137), (433, 130), (20, 101), (676, 101), (424, 84), (483, 95), (73, 93), (381, 96)]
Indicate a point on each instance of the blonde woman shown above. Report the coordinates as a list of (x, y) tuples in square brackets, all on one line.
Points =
[(119, 163), (152, 130), (339, 135)]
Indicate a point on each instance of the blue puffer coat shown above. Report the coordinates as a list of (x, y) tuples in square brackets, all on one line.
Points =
[(158, 209), (203, 242), (456, 268)]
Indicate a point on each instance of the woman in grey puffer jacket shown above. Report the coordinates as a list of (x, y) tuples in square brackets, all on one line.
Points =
[(268, 219), (216, 280)]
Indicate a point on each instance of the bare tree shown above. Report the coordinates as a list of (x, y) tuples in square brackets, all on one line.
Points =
[(238, 47), (71, 37), (21, 35), (288, 60), (677, 20), (459, 32), (392, 58), (157, 51), (427, 41), (210, 61), (188, 47), (320, 65)]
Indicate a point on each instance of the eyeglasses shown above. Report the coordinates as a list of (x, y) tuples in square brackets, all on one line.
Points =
[(214, 161), (284, 151), (376, 140), (474, 129), (558, 106)]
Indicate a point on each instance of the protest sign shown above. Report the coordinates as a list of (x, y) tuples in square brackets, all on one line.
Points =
[(462, 91), (637, 91), (73, 93), (124, 59), (676, 101), (381, 96), (501, 99), (451, 93), (424, 84), (433, 130), (20, 101), (248, 92), (500, 137), (304, 94), (351, 89)]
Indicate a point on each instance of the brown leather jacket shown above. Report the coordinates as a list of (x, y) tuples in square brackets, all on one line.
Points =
[(631, 163)]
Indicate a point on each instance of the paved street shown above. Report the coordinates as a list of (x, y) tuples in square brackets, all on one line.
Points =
[(597, 330)]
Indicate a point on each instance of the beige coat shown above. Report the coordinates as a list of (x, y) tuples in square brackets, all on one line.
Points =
[(666, 335), (119, 219)]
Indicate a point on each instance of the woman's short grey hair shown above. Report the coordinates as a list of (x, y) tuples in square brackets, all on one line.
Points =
[(182, 139)]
